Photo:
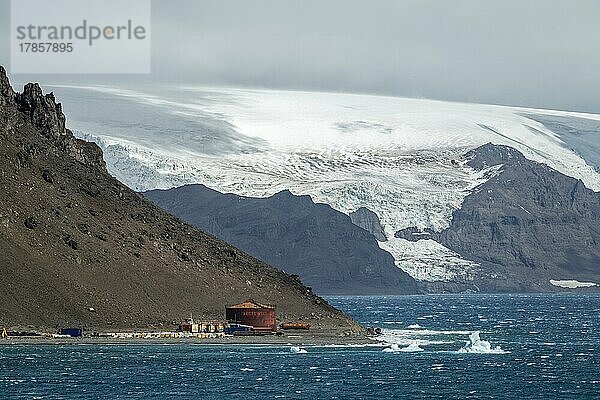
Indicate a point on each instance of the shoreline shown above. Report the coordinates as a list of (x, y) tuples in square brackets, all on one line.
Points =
[(305, 339)]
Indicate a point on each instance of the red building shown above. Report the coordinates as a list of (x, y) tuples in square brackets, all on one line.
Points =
[(259, 316)]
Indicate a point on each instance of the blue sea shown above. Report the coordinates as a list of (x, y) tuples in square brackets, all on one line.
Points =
[(435, 347)]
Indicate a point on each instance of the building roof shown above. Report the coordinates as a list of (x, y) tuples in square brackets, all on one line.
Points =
[(251, 304)]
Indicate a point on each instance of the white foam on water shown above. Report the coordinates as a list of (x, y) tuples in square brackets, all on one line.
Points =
[(394, 335), (405, 337), (392, 349), (246, 369), (478, 346), (298, 350), (414, 326), (411, 348), (353, 345)]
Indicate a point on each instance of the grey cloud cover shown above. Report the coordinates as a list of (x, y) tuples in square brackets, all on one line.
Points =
[(538, 53)]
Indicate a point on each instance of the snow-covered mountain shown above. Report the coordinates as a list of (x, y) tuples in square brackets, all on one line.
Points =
[(395, 156)]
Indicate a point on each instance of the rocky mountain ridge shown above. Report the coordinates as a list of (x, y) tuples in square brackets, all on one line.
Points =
[(314, 241), (527, 226), (77, 247)]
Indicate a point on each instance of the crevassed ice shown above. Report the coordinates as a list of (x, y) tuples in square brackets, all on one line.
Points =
[(391, 155)]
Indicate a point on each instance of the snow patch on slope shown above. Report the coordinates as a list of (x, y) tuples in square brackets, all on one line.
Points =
[(572, 284)]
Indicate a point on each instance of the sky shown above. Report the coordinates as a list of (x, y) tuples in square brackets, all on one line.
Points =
[(536, 53)]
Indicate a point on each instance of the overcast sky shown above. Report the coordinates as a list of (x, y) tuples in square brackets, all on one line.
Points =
[(538, 53)]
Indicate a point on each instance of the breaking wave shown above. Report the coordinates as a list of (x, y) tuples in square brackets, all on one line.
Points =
[(411, 348), (353, 345), (298, 350), (476, 345), (404, 337)]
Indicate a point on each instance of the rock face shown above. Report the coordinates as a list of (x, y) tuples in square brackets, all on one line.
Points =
[(319, 244), (369, 221), (72, 238), (414, 234), (527, 225), (42, 109)]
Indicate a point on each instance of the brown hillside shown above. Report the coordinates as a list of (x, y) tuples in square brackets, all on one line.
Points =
[(73, 238)]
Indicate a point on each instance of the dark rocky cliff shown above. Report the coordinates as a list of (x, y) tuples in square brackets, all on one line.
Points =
[(526, 225), (73, 238), (369, 221), (314, 241)]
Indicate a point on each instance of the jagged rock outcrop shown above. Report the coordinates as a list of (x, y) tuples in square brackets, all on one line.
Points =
[(369, 221), (414, 234), (7, 94), (42, 111), (73, 238), (527, 225), (314, 241)]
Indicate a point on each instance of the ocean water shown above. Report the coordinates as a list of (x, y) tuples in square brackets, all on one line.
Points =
[(434, 347)]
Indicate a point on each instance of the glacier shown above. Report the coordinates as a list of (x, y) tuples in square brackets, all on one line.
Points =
[(399, 157)]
